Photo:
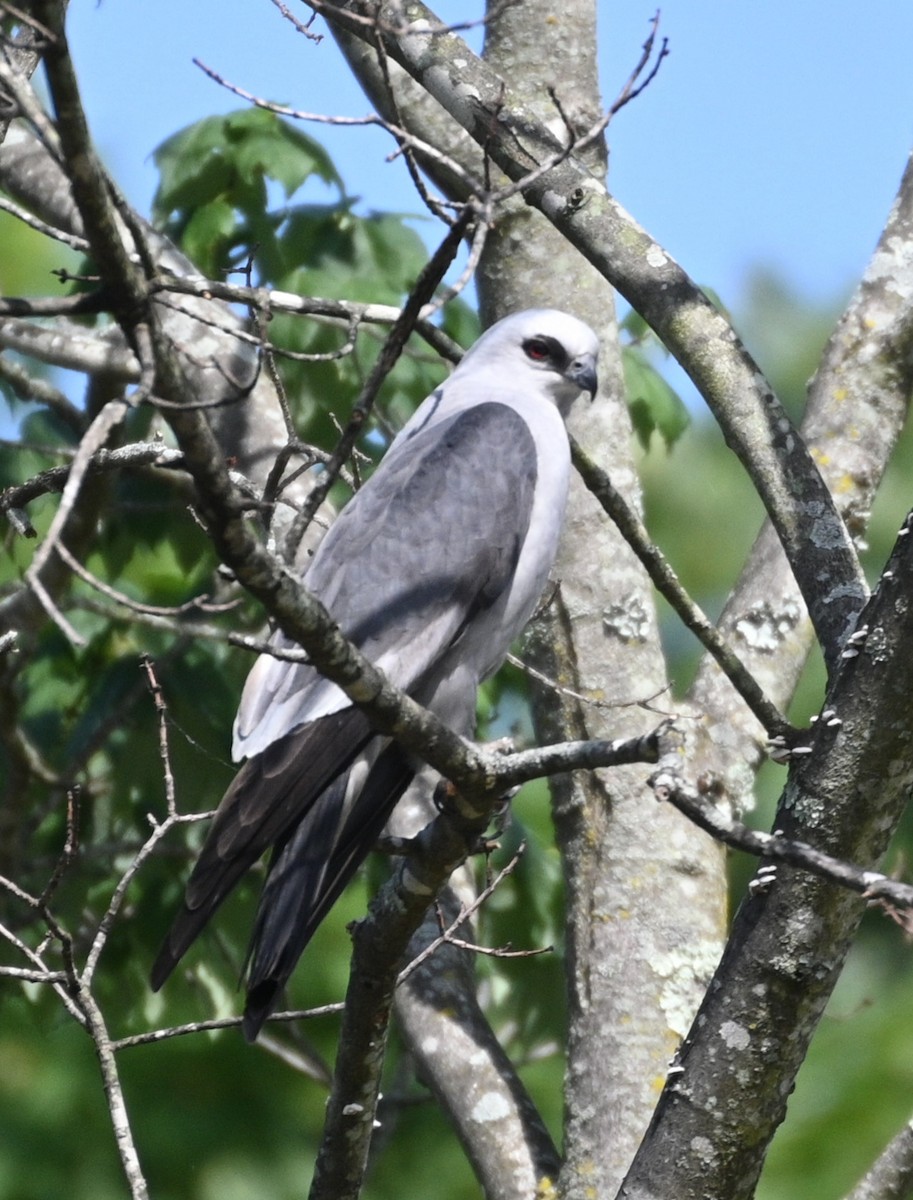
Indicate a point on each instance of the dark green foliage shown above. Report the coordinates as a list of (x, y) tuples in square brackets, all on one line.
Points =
[(213, 193), (653, 404), (219, 178)]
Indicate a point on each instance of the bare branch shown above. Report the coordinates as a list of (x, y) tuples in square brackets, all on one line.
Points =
[(54, 479), (380, 940), (891, 1176), (69, 346), (174, 1031), (632, 89), (270, 300), (120, 1120), (62, 989), (51, 231), (666, 581), (407, 141), (839, 799), (30, 387), (668, 785), (455, 1049), (447, 935), (95, 436), (857, 405), (302, 28), (33, 975)]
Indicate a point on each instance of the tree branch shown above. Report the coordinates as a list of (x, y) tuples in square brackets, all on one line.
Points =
[(120, 1119), (789, 940), (54, 478), (70, 347), (664, 578), (891, 1176), (456, 1051), (379, 943), (668, 785), (856, 408)]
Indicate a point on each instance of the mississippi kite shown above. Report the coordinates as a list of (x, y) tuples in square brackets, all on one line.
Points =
[(432, 570)]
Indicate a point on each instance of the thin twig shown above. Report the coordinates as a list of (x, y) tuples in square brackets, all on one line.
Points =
[(424, 289), (463, 916), (120, 1120), (21, 214), (332, 311), (161, 709), (479, 238), (302, 26), (647, 702), (96, 435), (159, 831), (33, 975), (30, 387), (54, 479), (194, 629), (574, 145), (197, 604), (70, 847), (668, 785), (403, 138), (667, 583), (62, 989), (632, 89), (173, 1031), (404, 148)]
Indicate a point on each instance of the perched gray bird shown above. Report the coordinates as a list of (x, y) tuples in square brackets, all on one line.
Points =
[(432, 570)]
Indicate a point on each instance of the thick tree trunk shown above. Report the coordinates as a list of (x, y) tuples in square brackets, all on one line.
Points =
[(645, 891)]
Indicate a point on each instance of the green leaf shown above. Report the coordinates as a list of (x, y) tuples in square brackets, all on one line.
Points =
[(653, 404), (216, 154), (212, 194), (634, 325), (268, 147), (193, 168), (461, 322), (208, 234)]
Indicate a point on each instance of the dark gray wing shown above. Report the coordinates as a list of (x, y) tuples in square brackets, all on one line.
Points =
[(428, 542)]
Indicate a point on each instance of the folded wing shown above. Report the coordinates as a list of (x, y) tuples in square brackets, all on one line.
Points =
[(417, 571)]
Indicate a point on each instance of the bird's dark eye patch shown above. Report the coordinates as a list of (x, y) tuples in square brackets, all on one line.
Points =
[(545, 350)]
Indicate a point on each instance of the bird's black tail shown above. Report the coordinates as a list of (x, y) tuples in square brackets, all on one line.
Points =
[(309, 871), (266, 802)]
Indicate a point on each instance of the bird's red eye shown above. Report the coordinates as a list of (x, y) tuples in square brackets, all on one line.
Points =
[(537, 349)]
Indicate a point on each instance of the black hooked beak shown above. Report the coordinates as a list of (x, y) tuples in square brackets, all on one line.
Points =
[(582, 371)]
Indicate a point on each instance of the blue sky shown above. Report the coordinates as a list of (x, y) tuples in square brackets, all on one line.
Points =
[(775, 133)]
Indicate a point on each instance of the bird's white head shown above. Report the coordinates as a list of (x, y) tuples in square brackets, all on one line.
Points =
[(554, 351)]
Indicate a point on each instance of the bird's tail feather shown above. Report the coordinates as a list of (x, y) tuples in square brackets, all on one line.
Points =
[(265, 802), (308, 873)]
